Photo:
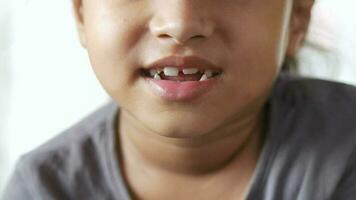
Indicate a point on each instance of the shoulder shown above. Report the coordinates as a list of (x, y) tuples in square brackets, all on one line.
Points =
[(86, 132), (321, 93), (320, 111), (324, 103), (312, 137), (71, 158)]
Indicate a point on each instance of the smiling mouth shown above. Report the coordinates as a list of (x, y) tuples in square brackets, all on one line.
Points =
[(180, 75), (178, 78), (181, 69)]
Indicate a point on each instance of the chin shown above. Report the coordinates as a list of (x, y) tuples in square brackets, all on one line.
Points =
[(174, 127)]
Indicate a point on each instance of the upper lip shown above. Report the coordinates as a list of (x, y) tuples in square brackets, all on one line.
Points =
[(183, 62)]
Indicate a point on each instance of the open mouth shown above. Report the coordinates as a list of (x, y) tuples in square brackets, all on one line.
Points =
[(178, 78), (180, 75)]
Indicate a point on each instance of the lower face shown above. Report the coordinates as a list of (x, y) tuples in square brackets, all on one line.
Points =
[(243, 41)]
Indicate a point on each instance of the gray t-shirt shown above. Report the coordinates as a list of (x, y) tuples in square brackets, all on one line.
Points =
[(308, 154)]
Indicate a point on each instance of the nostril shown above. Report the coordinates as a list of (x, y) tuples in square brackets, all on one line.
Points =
[(198, 37), (180, 40), (168, 36), (164, 36)]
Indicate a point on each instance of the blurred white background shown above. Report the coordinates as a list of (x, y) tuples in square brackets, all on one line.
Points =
[(330, 47), (46, 83)]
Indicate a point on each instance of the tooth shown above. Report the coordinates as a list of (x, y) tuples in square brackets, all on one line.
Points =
[(208, 73), (153, 72), (190, 71), (204, 77), (171, 71), (157, 77)]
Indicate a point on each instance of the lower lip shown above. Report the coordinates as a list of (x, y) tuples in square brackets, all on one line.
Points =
[(180, 91)]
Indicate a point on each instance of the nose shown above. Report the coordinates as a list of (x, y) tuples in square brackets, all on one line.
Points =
[(180, 21)]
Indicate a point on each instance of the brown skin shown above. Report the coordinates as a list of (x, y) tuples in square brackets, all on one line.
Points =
[(206, 148)]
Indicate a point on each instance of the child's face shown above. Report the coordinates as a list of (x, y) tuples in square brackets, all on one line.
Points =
[(246, 40)]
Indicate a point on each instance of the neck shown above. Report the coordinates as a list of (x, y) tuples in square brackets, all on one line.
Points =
[(235, 143)]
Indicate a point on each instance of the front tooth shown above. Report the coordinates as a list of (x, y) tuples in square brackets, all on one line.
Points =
[(153, 72), (157, 77), (171, 71), (209, 73), (204, 77), (190, 71)]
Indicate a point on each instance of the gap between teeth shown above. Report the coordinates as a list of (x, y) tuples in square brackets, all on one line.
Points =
[(172, 71)]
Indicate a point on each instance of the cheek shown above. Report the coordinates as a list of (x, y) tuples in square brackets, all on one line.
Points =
[(261, 45), (110, 44), (255, 57), (256, 60), (258, 37)]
